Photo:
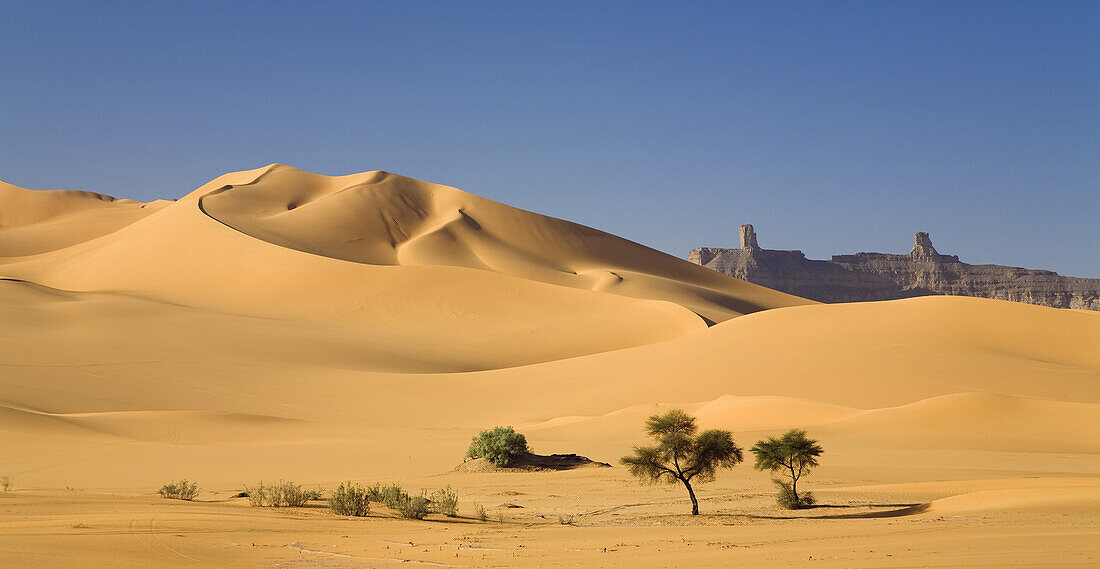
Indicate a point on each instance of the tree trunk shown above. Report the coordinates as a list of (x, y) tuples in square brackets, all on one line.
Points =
[(794, 489), (691, 494)]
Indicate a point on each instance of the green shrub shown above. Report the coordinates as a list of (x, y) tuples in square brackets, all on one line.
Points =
[(413, 507), (501, 446), (787, 499), (283, 494), (393, 496), (480, 512), (182, 490), (288, 494), (374, 493), (349, 500), (445, 501)]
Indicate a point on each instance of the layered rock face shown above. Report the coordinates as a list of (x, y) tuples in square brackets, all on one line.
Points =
[(883, 276)]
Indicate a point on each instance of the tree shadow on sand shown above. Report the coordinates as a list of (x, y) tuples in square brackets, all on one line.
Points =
[(898, 511)]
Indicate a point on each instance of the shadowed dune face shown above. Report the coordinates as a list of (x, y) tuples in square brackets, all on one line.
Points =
[(275, 313)]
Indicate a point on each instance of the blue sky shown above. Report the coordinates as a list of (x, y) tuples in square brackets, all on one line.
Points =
[(832, 127)]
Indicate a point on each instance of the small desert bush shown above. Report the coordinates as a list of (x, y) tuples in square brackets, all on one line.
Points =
[(182, 490), (445, 501), (566, 519), (393, 496), (283, 494), (787, 499), (480, 512), (5, 483), (349, 500), (374, 493), (501, 446), (413, 507)]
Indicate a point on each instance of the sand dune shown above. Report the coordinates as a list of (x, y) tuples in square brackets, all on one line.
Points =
[(960, 420), (384, 219), (276, 323), (33, 222), (1053, 500), (507, 309)]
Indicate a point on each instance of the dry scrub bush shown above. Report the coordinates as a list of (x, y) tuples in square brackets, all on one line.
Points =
[(480, 512), (787, 499), (349, 500), (283, 494), (445, 501), (182, 490), (413, 507), (393, 496)]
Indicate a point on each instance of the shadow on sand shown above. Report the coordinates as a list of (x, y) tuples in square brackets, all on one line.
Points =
[(898, 511)]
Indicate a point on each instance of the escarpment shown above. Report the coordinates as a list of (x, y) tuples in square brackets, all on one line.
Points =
[(883, 276)]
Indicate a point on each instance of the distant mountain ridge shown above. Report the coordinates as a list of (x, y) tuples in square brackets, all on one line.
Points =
[(883, 276)]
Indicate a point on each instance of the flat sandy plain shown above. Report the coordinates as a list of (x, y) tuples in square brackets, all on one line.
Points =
[(276, 324)]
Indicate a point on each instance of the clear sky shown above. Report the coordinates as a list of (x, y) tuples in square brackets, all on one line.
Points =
[(832, 127)]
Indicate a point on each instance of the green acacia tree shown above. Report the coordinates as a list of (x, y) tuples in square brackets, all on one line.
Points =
[(680, 454), (794, 455)]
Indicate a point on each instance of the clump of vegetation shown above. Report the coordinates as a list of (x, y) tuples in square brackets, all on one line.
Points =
[(413, 507), (283, 494), (794, 455), (393, 496), (788, 499), (374, 493), (255, 495), (5, 483), (500, 445), (349, 500), (445, 501), (566, 519), (182, 490), (480, 512), (680, 455)]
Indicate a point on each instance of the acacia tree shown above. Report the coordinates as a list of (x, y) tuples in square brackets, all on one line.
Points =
[(680, 454), (794, 454)]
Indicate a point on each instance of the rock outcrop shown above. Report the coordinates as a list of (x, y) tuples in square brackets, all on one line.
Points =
[(883, 276)]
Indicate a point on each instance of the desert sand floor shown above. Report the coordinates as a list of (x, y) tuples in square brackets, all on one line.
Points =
[(276, 324), (591, 517)]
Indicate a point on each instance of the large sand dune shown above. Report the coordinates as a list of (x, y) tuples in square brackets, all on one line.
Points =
[(276, 323)]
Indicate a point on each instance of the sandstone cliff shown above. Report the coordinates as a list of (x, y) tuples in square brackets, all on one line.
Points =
[(882, 276)]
